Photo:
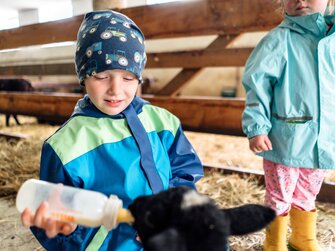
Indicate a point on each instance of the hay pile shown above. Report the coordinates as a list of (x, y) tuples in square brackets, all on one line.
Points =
[(231, 191), (19, 159)]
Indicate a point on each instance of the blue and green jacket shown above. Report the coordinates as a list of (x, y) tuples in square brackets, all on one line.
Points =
[(98, 152)]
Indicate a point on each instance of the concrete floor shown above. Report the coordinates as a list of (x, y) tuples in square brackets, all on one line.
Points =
[(13, 236)]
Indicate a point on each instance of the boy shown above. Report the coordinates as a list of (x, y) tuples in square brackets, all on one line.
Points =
[(114, 142)]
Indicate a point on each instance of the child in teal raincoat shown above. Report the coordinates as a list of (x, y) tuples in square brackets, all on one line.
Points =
[(289, 117)]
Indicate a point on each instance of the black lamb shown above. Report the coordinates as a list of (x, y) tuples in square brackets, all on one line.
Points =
[(181, 219)]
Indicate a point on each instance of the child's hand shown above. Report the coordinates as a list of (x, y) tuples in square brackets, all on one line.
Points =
[(51, 227), (260, 143)]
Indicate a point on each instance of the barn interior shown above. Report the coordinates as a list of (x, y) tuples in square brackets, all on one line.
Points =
[(196, 52)]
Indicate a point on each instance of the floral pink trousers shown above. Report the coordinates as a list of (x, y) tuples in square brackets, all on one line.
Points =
[(288, 186)]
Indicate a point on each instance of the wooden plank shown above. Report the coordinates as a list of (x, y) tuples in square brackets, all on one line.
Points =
[(176, 84), (43, 33), (196, 114), (327, 192), (221, 42), (205, 17), (187, 59), (216, 115), (12, 136), (38, 104), (176, 19), (38, 69), (200, 58), (173, 87)]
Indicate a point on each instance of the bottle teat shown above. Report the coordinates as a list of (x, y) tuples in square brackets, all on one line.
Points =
[(115, 214)]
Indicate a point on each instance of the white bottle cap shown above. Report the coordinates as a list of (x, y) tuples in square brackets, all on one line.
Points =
[(110, 212)]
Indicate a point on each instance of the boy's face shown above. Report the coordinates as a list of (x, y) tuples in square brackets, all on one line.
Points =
[(304, 7), (112, 91)]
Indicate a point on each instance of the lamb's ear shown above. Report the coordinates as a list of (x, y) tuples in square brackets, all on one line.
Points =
[(168, 240), (249, 218)]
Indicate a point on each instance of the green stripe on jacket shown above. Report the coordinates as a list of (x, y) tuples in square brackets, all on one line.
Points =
[(81, 139)]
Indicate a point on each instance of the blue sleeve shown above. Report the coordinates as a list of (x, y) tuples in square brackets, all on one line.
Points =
[(52, 170), (78, 240), (185, 163)]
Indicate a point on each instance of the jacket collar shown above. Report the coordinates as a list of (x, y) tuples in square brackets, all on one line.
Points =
[(85, 107), (314, 23)]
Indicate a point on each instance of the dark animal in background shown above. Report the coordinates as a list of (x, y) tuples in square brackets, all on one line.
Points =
[(15, 85), (181, 219)]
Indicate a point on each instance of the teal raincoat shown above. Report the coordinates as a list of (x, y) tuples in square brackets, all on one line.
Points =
[(290, 92)]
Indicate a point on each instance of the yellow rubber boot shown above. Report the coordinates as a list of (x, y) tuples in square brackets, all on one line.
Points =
[(275, 239), (303, 225)]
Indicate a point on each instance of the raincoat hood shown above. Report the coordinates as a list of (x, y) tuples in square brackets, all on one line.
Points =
[(314, 23)]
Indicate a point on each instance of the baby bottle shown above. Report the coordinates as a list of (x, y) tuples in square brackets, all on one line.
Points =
[(74, 205)]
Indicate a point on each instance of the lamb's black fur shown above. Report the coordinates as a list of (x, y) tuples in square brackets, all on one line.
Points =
[(165, 223)]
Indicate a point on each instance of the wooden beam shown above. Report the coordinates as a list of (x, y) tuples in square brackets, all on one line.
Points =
[(12, 136), (221, 42), (199, 59), (205, 17), (176, 84), (327, 192), (196, 114), (216, 115), (38, 104), (38, 69), (42, 33), (186, 59), (176, 19), (173, 87)]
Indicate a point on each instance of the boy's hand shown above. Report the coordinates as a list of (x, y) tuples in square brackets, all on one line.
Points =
[(51, 227), (260, 143)]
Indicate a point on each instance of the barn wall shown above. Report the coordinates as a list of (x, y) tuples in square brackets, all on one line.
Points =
[(209, 82)]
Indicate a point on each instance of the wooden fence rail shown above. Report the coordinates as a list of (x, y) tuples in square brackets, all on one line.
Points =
[(185, 59), (196, 114), (178, 19)]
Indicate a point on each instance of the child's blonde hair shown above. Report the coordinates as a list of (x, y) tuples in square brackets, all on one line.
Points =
[(331, 7)]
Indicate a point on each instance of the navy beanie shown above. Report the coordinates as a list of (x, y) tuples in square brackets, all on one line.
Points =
[(109, 40)]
